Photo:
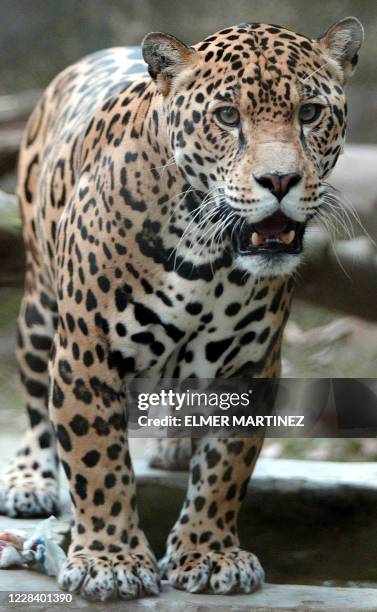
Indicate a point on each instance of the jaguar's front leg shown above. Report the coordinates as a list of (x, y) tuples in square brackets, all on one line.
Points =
[(203, 551), (109, 555)]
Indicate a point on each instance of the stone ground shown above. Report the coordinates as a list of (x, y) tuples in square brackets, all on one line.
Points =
[(272, 598)]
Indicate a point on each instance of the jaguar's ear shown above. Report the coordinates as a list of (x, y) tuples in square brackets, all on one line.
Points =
[(166, 57), (342, 42)]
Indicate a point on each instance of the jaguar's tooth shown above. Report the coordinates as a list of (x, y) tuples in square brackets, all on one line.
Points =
[(256, 239), (288, 237)]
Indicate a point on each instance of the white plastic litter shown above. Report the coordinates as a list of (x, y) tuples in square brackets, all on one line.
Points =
[(38, 552)]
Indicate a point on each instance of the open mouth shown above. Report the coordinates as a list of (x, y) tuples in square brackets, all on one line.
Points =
[(275, 235)]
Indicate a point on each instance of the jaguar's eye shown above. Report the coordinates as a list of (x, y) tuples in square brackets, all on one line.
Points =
[(228, 115), (309, 112)]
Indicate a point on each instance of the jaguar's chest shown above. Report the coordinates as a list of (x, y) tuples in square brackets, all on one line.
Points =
[(204, 329)]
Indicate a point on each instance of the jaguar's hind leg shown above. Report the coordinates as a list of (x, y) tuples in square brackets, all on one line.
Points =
[(29, 487), (169, 453)]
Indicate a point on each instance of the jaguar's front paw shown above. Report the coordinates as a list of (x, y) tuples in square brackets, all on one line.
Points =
[(232, 571), (124, 576)]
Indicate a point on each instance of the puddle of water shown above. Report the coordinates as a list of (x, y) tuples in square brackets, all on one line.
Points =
[(342, 556)]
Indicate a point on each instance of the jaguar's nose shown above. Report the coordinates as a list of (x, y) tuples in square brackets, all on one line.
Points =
[(278, 184)]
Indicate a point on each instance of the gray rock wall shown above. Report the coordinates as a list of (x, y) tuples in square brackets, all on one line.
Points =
[(40, 37)]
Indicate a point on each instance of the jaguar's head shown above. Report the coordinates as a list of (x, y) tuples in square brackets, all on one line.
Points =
[(256, 117)]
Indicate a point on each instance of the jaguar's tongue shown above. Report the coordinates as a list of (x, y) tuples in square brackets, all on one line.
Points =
[(274, 228)]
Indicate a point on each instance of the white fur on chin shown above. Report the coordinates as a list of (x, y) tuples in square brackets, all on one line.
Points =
[(265, 265)]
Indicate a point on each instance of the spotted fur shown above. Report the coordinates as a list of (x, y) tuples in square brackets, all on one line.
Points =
[(131, 193)]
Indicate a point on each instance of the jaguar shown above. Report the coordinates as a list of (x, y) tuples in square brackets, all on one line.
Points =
[(165, 196)]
